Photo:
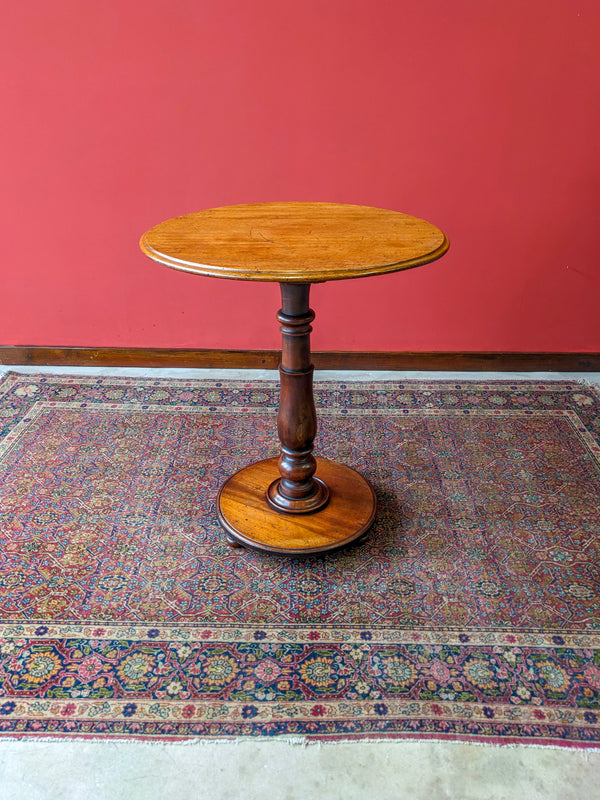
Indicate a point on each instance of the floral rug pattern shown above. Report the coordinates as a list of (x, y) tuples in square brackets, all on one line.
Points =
[(472, 611)]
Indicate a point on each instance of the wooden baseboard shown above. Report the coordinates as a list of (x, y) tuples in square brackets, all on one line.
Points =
[(269, 359)]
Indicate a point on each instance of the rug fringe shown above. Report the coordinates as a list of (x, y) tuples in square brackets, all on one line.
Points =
[(593, 384), (298, 741)]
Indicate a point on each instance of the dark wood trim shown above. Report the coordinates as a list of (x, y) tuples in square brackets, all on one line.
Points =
[(461, 362), (269, 359), (139, 357)]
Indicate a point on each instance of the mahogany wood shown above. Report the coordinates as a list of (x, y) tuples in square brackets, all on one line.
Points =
[(249, 521), (296, 491), (35, 355), (294, 242)]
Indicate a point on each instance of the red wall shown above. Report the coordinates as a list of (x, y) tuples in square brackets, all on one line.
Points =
[(482, 116)]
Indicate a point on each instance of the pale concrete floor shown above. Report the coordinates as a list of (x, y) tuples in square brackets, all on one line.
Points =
[(279, 770)]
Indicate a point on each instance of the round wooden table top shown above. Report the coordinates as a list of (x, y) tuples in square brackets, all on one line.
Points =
[(294, 242)]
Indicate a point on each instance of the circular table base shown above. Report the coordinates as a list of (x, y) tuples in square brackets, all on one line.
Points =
[(250, 521)]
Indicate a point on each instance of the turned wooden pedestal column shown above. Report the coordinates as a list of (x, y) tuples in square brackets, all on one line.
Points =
[(297, 504), (297, 491)]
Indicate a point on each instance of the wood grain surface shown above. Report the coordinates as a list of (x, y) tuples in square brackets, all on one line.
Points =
[(269, 359), (248, 519), (294, 242)]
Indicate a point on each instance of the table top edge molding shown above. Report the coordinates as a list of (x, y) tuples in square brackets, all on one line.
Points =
[(288, 276)]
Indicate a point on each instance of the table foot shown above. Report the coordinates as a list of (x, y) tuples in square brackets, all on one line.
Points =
[(250, 521), (233, 542)]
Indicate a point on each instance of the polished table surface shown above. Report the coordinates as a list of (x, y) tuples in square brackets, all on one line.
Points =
[(294, 242), (297, 504)]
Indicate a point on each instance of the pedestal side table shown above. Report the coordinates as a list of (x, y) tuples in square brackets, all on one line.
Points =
[(297, 504)]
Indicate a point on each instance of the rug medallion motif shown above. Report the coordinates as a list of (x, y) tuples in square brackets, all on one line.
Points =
[(471, 612)]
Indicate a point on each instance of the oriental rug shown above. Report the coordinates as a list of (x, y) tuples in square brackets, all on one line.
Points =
[(471, 611)]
